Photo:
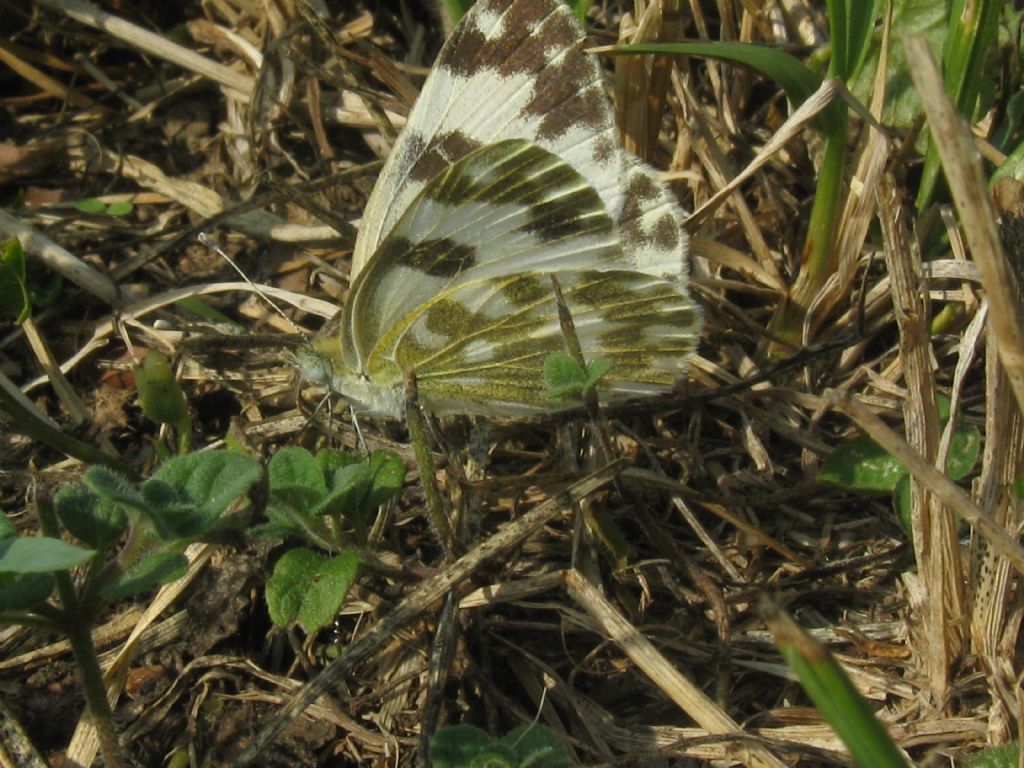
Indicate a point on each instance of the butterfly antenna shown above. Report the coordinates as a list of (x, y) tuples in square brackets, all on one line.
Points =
[(359, 434), (206, 240)]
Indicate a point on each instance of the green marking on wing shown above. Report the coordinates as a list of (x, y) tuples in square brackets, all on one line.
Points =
[(643, 326), (506, 208)]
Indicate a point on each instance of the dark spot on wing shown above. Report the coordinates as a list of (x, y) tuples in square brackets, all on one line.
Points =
[(567, 94), (641, 191), (666, 232), (529, 31), (604, 148), (575, 214), (443, 151), (527, 289), (446, 315), (436, 258)]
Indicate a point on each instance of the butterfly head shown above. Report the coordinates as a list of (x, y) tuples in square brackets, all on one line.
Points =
[(321, 364)]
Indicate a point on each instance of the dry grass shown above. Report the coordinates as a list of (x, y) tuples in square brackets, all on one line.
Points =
[(265, 147)]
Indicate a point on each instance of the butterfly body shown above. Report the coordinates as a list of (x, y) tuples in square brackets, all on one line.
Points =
[(506, 175)]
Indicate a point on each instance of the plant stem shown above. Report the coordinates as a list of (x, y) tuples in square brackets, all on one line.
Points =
[(95, 690), (76, 623)]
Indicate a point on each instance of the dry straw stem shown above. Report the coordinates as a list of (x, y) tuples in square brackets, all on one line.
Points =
[(689, 697), (107, 327), (935, 481), (967, 184), (934, 529), (59, 259), (154, 44)]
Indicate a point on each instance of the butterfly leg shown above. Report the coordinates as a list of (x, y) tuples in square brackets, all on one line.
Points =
[(421, 447)]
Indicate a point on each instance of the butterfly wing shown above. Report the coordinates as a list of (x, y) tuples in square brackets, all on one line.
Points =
[(517, 69), (460, 292), (505, 208), (480, 347)]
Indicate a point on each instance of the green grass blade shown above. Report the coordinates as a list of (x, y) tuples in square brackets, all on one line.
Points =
[(969, 46), (834, 694)]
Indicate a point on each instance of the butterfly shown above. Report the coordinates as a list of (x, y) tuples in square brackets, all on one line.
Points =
[(507, 173)]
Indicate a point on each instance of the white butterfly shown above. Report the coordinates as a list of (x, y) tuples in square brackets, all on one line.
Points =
[(508, 172)]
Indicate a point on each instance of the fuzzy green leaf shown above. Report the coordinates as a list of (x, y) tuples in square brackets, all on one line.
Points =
[(309, 589), (149, 573), (88, 517)]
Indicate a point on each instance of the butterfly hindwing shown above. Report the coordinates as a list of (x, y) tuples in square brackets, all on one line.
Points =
[(482, 345)]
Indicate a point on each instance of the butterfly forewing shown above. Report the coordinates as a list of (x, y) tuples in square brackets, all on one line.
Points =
[(518, 70)]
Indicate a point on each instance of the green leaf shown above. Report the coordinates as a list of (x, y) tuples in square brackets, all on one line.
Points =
[(537, 746), (455, 746), (964, 451), (113, 487), (910, 17), (901, 502), (834, 695), (14, 296), (91, 206), (150, 572), (863, 465), (296, 467), (1004, 756), (308, 588), (211, 481), (567, 379), (1018, 488), (7, 528), (850, 24), (120, 208), (40, 554), (160, 395), (24, 591), (357, 490), (88, 517), (195, 305), (792, 76)]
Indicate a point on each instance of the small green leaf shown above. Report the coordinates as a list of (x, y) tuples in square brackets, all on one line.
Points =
[(567, 379), (91, 206), (88, 517), (964, 450), (295, 466), (24, 591), (536, 746), (14, 297), (150, 572), (113, 486), (212, 481), (308, 588), (863, 465), (120, 208), (455, 746), (7, 528), (40, 554), (386, 476), (901, 501), (1004, 756), (160, 395)]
